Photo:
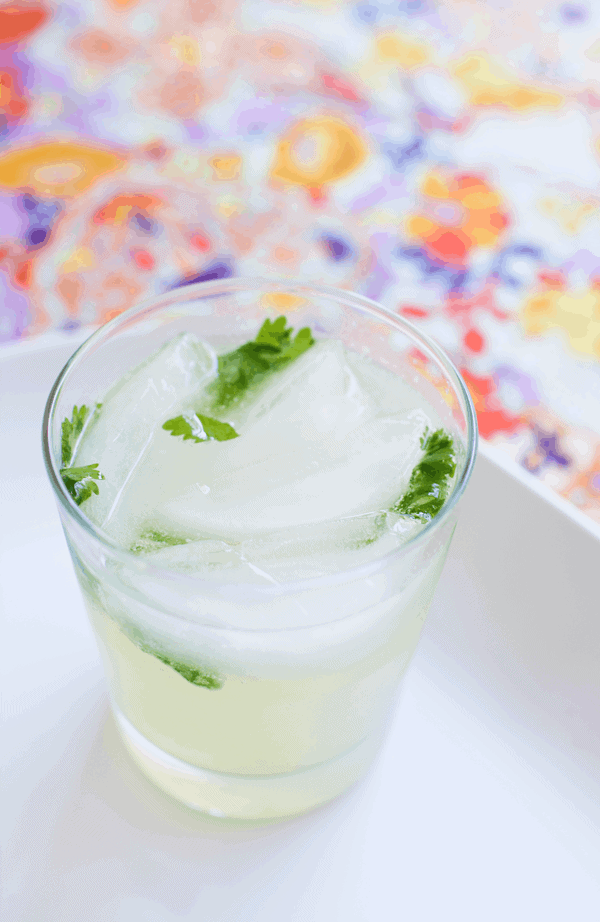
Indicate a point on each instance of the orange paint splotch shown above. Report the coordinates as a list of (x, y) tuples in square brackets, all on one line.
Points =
[(484, 300), (118, 209), (317, 195), (340, 87), (412, 313), (435, 186), (552, 279), (123, 4), (182, 93), (284, 254), (475, 217), (100, 47), (275, 50), (282, 301), (19, 21), (58, 168), (225, 167), (200, 242), (451, 246), (13, 105), (473, 340), (491, 421), (317, 151), (117, 294), (23, 276), (143, 259), (491, 415), (71, 288)]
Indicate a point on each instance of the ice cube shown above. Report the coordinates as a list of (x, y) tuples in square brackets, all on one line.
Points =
[(125, 427), (311, 449), (320, 391), (375, 380), (310, 551), (305, 552), (209, 559)]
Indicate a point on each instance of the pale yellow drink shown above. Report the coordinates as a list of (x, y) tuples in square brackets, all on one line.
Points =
[(258, 562), (262, 613)]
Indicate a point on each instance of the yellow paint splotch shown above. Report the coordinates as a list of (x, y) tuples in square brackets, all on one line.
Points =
[(489, 85), (403, 52), (578, 314), (461, 211), (282, 301), (59, 168), (570, 215), (436, 186), (81, 258), (317, 151), (226, 167), (185, 49)]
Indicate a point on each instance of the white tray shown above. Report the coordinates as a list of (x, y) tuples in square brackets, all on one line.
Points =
[(484, 805)]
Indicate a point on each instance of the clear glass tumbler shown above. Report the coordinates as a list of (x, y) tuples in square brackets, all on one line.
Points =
[(308, 670)]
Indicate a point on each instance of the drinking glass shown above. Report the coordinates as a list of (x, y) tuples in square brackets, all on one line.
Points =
[(287, 688)]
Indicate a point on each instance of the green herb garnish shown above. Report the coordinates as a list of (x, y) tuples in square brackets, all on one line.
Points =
[(189, 673), (200, 428), (79, 481), (204, 678), (428, 484), (374, 533), (247, 365), (71, 429), (237, 371), (153, 540)]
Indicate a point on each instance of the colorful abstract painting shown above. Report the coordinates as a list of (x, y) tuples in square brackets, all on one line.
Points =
[(440, 156)]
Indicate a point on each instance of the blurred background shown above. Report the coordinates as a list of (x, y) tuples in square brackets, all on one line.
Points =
[(440, 156)]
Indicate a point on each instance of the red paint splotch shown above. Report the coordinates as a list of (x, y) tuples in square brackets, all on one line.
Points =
[(491, 415), (18, 21)]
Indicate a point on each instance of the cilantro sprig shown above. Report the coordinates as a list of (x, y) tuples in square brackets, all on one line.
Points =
[(200, 428), (189, 673), (428, 485), (70, 431), (79, 481), (203, 678), (151, 539), (273, 348)]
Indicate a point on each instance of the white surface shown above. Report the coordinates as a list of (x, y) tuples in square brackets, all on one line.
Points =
[(483, 806)]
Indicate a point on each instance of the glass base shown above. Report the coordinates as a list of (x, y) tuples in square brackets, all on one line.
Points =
[(247, 796)]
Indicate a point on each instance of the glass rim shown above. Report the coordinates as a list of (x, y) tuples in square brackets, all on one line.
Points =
[(205, 290)]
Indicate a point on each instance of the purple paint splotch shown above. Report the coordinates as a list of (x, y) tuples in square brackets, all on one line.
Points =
[(16, 311)]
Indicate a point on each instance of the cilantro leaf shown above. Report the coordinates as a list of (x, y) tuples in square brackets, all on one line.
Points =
[(274, 333), (374, 532), (200, 428), (247, 365), (428, 485), (302, 341), (80, 481), (215, 429), (183, 426), (189, 673), (71, 429), (204, 678), (153, 540)]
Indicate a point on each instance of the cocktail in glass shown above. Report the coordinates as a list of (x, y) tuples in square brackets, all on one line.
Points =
[(252, 665)]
